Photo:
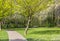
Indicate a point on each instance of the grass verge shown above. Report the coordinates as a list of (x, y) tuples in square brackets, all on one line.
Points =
[(3, 35), (41, 34)]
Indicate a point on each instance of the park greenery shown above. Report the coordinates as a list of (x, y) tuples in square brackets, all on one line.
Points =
[(35, 34), (26, 13), (41, 34), (30, 15), (3, 36)]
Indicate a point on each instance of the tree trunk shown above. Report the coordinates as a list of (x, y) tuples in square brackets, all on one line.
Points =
[(0, 25), (27, 26)]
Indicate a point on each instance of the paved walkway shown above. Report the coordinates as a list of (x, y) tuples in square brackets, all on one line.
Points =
[(15, 36)]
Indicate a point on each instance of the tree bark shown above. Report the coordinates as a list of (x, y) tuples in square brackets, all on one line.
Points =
[(0, 25), (27, 26)]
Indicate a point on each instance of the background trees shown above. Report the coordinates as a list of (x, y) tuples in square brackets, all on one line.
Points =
[(27, 13)]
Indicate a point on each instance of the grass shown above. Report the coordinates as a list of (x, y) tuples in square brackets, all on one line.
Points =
[(35, 34), (3, 36), (41, 34)]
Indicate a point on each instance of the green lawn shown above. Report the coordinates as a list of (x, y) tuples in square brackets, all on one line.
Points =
[(41, 34), (3, 36)]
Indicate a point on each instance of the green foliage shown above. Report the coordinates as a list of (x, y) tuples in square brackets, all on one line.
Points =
[(32, 6), (24, 7)]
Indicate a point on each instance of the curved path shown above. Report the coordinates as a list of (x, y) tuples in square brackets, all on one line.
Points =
[(15, 36)]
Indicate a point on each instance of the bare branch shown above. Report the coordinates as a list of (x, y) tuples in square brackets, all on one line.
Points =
[(41, 2)]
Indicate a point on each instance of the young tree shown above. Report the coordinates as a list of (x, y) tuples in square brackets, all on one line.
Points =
[(25, 7), (30, 7)]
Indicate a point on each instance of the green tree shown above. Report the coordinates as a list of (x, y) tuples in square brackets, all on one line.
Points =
[(5, 10), (25, 7), (30, 7)]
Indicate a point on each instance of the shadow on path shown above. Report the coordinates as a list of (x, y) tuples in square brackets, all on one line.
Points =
[(17, 40)]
